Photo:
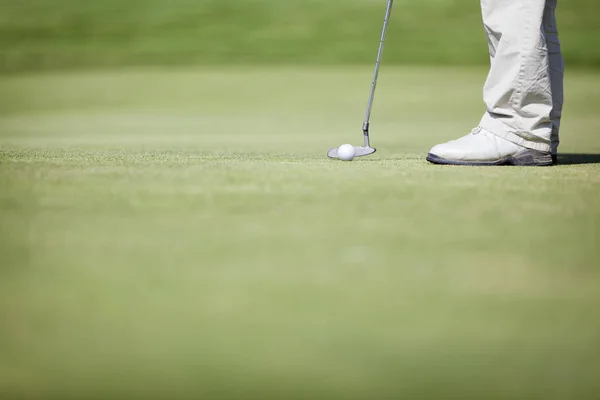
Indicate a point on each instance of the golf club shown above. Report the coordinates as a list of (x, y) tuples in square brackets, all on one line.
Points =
[(367, 149)]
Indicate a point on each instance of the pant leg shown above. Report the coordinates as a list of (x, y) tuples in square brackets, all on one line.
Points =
[(557, 67), (518, 92)]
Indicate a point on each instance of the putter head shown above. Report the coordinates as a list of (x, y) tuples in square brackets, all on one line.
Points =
[(360, 151)]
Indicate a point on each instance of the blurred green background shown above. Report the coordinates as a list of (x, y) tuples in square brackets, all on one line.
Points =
[(43, 34), (173, 229)]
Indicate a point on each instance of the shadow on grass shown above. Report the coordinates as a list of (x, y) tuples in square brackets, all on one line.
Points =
[(577, 159)]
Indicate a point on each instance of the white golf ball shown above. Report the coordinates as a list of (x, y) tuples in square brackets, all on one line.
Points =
[(346, 152)]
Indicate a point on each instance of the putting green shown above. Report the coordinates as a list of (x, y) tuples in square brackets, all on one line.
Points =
[(181, 233)]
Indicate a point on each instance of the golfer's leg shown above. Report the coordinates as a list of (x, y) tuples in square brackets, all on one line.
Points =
[(518, 92), (517, 128), (557, 67)]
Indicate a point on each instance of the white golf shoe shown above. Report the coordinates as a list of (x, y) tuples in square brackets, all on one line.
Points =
[(481, 147)]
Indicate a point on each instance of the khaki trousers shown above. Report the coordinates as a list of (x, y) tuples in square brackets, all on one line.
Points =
[(524, 89)]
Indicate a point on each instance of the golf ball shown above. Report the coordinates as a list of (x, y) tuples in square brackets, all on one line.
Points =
[(346, 152)]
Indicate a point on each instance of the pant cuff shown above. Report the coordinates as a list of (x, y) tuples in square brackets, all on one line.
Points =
[(500, 129)]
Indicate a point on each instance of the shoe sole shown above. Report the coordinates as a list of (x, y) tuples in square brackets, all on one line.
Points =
[(525, 158)]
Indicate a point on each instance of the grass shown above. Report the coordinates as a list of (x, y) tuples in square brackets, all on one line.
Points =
[(65, 34), (180, 233)]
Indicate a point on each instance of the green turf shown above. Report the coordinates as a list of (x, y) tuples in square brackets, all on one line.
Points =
[(57, 34), (181, 234)]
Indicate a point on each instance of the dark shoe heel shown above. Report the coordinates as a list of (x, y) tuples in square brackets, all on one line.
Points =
[(533, 158)]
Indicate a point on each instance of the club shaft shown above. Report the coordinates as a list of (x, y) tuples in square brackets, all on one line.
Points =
[(388, 13)]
